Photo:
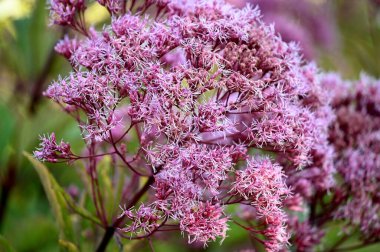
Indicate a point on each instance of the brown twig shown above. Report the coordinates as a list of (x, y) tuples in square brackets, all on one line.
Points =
[(7, 184)]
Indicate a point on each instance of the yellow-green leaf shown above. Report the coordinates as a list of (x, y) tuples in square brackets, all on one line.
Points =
[(56, 199), (5, 245), (69, 246), (184, 83), (105, 173)]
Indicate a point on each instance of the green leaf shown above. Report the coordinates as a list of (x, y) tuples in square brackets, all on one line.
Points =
[(56, 199), (7, 123), (5, 246), (80, 210), (108, 192)]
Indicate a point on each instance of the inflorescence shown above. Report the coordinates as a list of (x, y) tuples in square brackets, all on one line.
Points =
[(225, 113)]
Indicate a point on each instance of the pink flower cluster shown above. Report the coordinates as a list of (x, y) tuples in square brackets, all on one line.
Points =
[(224, 112), (346, 189), (68, 12), (355, 135), (51, 151), (262, 183), (309, 23)]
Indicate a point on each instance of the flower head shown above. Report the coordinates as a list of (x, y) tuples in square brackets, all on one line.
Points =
[(233, 87), (51, 151), (204, 222), (62, 12)]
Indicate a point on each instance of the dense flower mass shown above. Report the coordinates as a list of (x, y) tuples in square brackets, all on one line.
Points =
[(355, 135), (224, 111), (309, 23), (352, 197)]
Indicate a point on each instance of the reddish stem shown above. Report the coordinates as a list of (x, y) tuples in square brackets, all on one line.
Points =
[(111, 229)]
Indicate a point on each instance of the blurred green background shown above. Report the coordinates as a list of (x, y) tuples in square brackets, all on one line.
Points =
[(27, 65)]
